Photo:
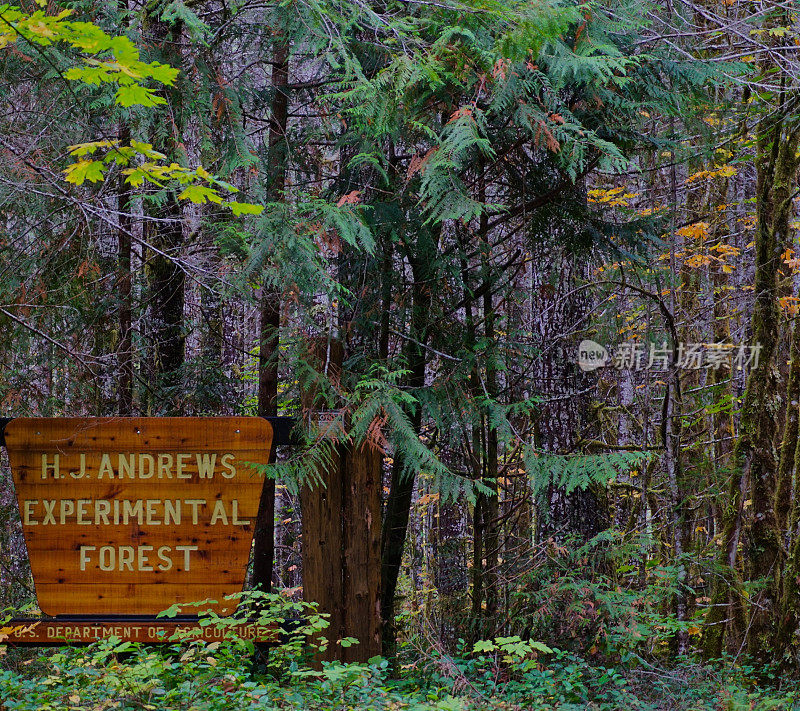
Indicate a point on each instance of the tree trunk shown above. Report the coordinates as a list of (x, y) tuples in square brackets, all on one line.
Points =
[(270, 308), (475, 452), (401, 487), (755, 459), (124, 285), (167, 279), (756, 446), (361, 538), (786, 461), (321, 512), (491, 508), (341, 533)]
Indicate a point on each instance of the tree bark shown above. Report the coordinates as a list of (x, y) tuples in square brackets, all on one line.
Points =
[(361, 538), (124, 285), (167, 278), (755, 458), (270, 308), (491, 508), (341, 533), (401, 487), (756, 446)]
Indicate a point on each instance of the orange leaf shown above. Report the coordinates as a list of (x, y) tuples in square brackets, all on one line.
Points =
[(349, 199)]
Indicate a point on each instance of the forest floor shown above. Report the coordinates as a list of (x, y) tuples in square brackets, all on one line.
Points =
[(113, 675)]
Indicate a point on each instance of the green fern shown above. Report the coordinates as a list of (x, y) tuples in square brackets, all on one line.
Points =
[(578, 471)]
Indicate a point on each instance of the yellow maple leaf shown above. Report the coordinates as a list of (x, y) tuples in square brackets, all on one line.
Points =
[(697, 230), (40, 29)]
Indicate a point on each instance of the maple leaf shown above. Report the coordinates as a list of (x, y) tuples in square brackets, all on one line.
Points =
[(84, 170), (136, 95), (245, 208), (199, 194), (697, 230)]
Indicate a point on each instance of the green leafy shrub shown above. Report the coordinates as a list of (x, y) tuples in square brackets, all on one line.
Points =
[(506, 673), (592, 600)]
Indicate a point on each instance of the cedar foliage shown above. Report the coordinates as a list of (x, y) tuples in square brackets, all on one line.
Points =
[(460, 193)]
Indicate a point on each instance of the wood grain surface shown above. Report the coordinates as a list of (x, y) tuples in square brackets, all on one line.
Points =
[(100, 537)]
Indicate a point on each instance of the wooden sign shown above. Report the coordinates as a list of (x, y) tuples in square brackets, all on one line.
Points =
[(127, 516)]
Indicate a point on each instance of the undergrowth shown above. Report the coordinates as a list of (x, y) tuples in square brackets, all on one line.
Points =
[(502, 673)]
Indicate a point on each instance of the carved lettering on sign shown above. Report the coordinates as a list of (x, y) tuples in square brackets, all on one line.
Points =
[(128, 516), (58, 632)]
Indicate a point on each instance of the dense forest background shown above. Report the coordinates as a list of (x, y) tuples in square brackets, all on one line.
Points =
[(453, 196)]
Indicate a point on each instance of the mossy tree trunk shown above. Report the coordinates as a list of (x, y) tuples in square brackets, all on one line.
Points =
[(755, 455), (756, 446)]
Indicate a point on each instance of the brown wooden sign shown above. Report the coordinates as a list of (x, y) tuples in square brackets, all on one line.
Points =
[(126, 516)]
